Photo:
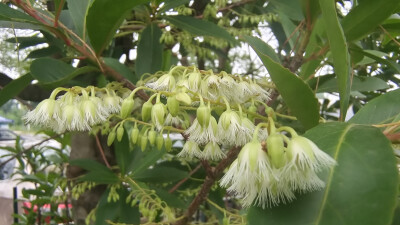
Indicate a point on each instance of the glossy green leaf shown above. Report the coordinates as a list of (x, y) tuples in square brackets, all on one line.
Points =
[(43, 52), (366, 16), (24, 42), (9, 14), (97, 172), (52, 71), (200, 27), (104, 18), (161, 174), (378, 58), (170, 4), (78, 10), (361, 189), (357, 84), (13, 88), (149, 51), (120, 68), (142, 160), (382, 109), (340, 54), (290, 8), (305, 106), (263, 47)]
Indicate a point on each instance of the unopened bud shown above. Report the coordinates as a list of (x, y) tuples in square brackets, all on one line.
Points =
[(146, 111), (270, 112), (111, 138), (152, 137), (168, 144), (158, 113), (203, 115), (159, 141), (120, 132), (173, 105), (276, 150), (184, 98), (126, 107), (134, 135), (143, 142)]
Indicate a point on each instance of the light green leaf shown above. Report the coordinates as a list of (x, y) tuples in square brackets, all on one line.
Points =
[(104, 18), (366, 16), (120, 68), (357, 84), (13, 88), (305, 106), (361, 189), (200, 27), (263, 47), (372, 55), (78, 10), (382, 109), (340, 54), (149, 51), (55, 72)]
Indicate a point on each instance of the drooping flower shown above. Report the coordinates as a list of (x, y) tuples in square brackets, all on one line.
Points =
[(230, 129), (44, 114), (190, 150), (212, 151), (202, 135), (165, 83), (111, 102)]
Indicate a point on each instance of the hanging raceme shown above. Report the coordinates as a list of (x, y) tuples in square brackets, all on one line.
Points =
[(225, 111)]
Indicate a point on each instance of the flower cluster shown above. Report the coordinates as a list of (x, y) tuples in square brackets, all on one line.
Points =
[(268, 177), (78, 109)]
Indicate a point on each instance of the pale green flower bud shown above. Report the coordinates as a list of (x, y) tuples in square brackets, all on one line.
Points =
[(194, 81), (203, 115), (111, 138), (159, 141), (276, 150), (270, 112), (120, 132), (173, 105), (126, 107), (168, 144), (146, 111), (134, 135), (184, 98), (152, 137), (143, 142), (158, 114)]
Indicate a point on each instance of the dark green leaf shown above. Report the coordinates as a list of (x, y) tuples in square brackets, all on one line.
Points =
[(97, 172), (340, 54), (14, 88), (9, 14), (149, 51), (378, 58), (361, 189), (365, 17), (77, 9), (161, 174), (104, 18), (52, 71), (200, 27), (357, 84), (263, 47), (43, 52), (305, 106), (383, 109), (172, 200), (170, 4), (142, 160), (120, 68), (290, 8), (24, 42)]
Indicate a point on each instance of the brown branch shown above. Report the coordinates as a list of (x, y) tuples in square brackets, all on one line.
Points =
[(213, 173), (174, 188), (101, 150)]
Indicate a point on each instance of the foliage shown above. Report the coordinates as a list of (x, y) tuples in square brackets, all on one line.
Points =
[(136, 73)]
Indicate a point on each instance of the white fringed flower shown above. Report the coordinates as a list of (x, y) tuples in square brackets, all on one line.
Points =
[(230, 129), (190, 149), (212, 151), (92, 109), (111, 102), (44, 114), (202, 135), (165, 83)]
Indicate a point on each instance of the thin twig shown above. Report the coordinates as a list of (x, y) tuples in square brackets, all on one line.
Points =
[(101, 150)]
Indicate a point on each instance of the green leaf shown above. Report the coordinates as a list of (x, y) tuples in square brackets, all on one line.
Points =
[(43, 52), (170, 4), (360, 189), (382, 109), (78, 10), (149, 51), (263, 47), (357, 84), (14, 88), (24, 42), (55, 72), (104, 18), (142, 160), (97, 172), (200, 27), (9, 14), (305, 106), (120, 68), (161, 174), (378, 58), (366, 16), (171, 199), (340, 54), (290, 8)]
